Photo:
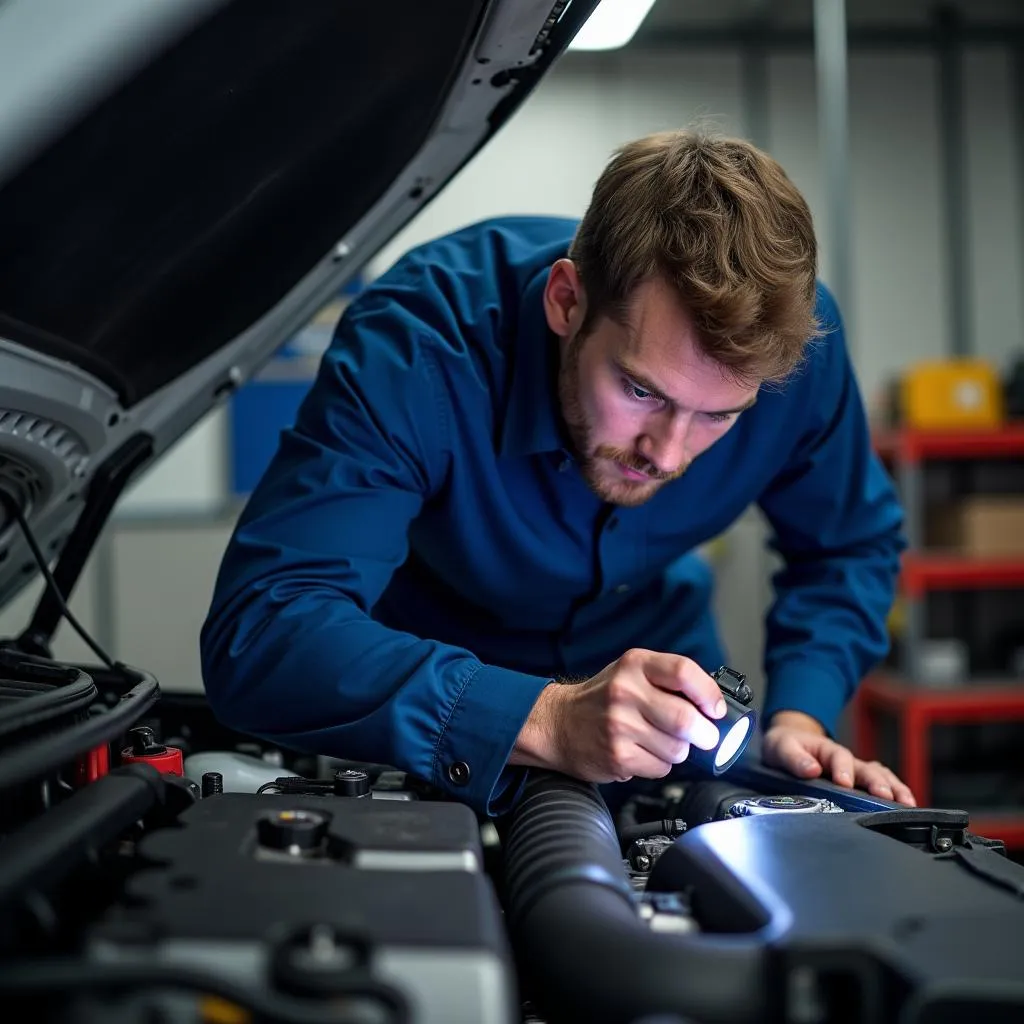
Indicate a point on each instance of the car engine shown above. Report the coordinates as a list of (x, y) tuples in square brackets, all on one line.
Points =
[(156, 867)]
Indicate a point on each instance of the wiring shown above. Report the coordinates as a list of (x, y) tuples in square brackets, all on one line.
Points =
[(29, 761), (19, 516)]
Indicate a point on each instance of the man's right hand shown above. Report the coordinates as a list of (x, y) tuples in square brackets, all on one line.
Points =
[(636, 717)]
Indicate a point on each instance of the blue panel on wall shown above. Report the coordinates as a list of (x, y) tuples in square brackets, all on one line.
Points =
[(267, 404), (258, 414)]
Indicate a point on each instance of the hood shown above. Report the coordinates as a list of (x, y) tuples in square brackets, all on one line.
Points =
[(183, 184)]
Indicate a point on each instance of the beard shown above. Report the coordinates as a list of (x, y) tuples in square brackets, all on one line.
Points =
[(597, 462)]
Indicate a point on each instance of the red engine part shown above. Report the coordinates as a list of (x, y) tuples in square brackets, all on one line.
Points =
[(92, 765), (145, 749)]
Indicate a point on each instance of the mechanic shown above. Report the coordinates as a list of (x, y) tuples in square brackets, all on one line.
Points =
[(475, 551)]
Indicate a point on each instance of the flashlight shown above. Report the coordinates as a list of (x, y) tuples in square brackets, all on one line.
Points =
[(735, 727)]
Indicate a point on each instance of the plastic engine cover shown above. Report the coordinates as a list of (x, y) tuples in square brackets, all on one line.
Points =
[(245, 878), (855, 915)]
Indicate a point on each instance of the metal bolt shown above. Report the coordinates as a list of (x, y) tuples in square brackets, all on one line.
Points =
[(943, 844), (643, 862)]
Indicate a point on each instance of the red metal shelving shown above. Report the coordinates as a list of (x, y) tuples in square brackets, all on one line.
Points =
[(1007, 827), (924, 571), (916, 709), (976, 702), (915, 445)]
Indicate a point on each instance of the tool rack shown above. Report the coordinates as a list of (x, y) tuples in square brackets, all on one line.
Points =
[(897, 695)]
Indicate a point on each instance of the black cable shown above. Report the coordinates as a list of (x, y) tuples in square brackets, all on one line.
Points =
[(297, 785), (15, 510), (30, 701), (40, 855), (50, 976), (36, 758)]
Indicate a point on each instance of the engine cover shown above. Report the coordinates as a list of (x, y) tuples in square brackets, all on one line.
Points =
[(280, 891), (856, 907)]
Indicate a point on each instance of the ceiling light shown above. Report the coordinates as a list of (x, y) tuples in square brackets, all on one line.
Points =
[(611, 25)]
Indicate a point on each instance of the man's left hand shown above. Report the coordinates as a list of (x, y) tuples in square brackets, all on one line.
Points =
[(797, 743)]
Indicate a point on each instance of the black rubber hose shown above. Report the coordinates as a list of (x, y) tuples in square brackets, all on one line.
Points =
[(35, 695), (584, 952), (43, 852), (561, 832), (36, 758)]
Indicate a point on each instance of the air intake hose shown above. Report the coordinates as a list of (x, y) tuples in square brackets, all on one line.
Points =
[(584, 952)]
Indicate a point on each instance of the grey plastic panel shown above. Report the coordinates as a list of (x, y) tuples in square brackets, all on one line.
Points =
[(450, 987), (421, 860), (441, 986)]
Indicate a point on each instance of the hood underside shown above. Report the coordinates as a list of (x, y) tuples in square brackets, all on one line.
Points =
[(212, 183), (184, 183)]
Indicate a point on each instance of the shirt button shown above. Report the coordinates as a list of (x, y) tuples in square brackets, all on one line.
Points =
[(622, 588), (564, 465), (458, 773)]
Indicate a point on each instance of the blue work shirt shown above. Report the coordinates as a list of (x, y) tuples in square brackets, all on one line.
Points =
[(423, 556)]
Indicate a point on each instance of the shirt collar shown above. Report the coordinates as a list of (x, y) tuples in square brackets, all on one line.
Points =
[(533, 416)]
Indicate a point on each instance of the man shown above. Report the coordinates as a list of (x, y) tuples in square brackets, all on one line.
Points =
[(474, 552)]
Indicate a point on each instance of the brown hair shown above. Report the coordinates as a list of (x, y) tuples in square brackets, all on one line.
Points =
[(721, 222)]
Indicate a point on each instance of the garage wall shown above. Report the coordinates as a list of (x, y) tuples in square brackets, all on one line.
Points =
[(546, 161)]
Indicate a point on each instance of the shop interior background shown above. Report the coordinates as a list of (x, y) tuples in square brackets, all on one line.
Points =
[(906, 134)]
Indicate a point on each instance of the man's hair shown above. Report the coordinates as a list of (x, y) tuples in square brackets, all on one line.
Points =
[(722, 224)]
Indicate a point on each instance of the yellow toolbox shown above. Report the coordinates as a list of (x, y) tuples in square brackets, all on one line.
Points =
[(951, 393)]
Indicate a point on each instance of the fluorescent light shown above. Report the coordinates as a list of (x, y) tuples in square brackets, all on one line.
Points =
[(611, 25)]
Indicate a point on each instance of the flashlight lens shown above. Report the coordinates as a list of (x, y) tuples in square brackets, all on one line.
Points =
[(733, 741)]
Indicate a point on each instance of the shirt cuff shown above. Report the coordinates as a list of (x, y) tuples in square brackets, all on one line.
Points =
[(476, 741), (804, 686)]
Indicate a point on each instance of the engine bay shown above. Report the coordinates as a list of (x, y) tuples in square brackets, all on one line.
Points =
[(156, 867)]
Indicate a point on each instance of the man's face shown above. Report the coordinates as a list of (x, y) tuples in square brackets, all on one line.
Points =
[(640, 401)]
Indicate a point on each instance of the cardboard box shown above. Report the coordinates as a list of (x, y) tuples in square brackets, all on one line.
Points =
[(980, 527)]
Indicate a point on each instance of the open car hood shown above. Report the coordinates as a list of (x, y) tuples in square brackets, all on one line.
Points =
[(184, 183)]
